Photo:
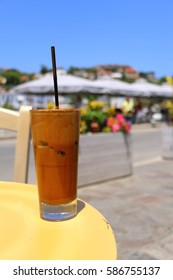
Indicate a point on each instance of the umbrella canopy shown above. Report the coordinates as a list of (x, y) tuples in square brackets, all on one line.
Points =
[(67, 84), (166, 91), (114, 87), (146, 89)]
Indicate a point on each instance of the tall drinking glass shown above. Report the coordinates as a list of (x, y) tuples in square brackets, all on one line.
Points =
[(55, 135)]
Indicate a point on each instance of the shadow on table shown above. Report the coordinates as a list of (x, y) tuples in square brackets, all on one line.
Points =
[(80, 206)]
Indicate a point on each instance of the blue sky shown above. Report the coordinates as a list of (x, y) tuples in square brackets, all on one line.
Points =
[(86, 33)]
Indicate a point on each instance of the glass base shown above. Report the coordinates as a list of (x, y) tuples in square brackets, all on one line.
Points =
[(59, 212)]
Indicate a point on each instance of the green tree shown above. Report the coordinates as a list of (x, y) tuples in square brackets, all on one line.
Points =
[(44, 69), (162, 80), (13, 77), (72, 69)]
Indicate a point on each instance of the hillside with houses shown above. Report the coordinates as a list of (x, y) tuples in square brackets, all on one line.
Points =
[(126, 73)]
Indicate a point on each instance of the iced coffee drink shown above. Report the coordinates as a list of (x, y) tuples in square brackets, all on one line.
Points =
[(55, 136)]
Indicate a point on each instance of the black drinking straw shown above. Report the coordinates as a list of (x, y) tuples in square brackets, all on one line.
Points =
[(55, 76)]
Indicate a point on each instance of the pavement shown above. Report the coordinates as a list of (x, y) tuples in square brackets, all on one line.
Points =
[(139, 209), (7, 134)]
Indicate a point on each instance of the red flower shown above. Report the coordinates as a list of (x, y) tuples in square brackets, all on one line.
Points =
[(118, 123)]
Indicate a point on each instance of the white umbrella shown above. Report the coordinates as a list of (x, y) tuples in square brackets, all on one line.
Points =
[(114, 87), (166, 90), (146, 89), (66, 84)]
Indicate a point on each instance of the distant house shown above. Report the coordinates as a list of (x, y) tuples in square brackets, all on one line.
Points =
[(116, 71), (151, 77), (104, 74), (83, 73), (24, 78), (130, 73), (116, 75)]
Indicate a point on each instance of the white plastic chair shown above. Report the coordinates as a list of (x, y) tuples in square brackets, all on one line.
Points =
[(19, 122)]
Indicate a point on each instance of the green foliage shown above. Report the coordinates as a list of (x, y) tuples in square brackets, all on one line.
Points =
[(72, 70), (13, 77), (91, 70), (44, 69), (93, 111), (6, 106), (99, 115), (30, 76), (91, 98), (162, 80)]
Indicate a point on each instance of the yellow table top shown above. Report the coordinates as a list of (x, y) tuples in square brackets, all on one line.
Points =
[(25, 236)]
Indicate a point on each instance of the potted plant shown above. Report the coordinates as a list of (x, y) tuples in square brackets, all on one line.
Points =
[(105, 145)]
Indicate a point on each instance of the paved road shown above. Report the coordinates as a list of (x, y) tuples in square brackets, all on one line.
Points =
[(139, 207)]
